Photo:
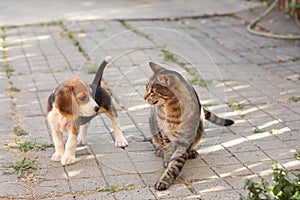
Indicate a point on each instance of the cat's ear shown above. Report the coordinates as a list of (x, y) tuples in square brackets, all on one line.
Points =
[(165, 80), (155, 67)]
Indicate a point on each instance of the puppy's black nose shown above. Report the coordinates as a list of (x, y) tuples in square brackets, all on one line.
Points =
[(96, 108)]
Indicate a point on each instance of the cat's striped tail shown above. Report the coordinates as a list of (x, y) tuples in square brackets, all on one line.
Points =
[(215, 119)]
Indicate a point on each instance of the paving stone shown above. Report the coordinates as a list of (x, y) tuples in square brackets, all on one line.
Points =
[(124, 179), (150, 167), (271, 144), (10, 189), (87, 184), (281, 154), (6, 124), (174, 191), (261, 168), (118, 169), (140, 193), (238, 183), (52, 173), (231, 170), (218, 159), (51, 186), (210, 186), (6, 106), (226, 195), (198, 173), (251, 156), (77, 172), (99, 195), (70, 197)]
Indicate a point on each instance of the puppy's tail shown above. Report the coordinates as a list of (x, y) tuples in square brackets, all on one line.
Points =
[(98, 76)]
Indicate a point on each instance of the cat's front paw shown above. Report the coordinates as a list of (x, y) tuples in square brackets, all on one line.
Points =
[(192, 154), (161, 185), (158, 152)]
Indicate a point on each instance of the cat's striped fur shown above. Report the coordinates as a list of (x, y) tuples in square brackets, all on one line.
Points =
[(176, 120)]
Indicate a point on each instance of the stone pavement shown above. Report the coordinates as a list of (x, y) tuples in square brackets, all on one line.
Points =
[(250, 79)]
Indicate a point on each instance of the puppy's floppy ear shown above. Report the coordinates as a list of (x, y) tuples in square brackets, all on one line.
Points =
[(66, 103)]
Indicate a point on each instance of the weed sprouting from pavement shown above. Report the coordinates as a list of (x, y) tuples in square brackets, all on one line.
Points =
[(92, 69), (19, 131), (236, 106), (294, 99), (297, 154), (198, 81), (23, 168), (113, 189), (27, 146), (257, 130)]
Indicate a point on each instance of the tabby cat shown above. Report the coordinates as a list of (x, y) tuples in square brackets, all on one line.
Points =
[(176, 121)]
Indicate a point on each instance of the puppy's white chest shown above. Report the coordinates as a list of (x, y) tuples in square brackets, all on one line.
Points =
[(57, 120)]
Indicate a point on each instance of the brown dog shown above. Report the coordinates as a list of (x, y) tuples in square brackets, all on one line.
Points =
[(74, 103)]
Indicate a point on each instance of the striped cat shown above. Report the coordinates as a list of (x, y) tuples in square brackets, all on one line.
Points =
[(176, 121)]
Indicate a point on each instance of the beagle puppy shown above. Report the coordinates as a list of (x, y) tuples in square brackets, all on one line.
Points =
[(71, 106)]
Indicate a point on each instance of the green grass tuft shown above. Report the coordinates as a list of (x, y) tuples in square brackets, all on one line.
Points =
[(27, 146), (23, 168), (125, 25), (297, 154), (273, 131), (257, 130), (198, 81), (19, 131), (92, 69), (113, 189), (294, 99), (236, 106)]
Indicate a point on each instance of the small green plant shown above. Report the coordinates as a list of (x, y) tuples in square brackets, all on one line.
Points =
[(101, 29), (113, 189), (297, 154), (283, 188), (192, 72), (125, 25), (257, 130), (67, 33), (294, 99), (273, 131), (13, 89), (23, 168), (198, 81), (92, 69), (19, 131), (236, 106), (168, 56), (27, 146), (295, 58), (8, 70)]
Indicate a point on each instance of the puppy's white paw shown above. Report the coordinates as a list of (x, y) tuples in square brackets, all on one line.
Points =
[(121, 142), (56, 157), (68, 160)]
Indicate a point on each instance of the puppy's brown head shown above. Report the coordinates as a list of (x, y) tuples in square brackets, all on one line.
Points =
[(73, 98)]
